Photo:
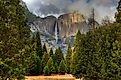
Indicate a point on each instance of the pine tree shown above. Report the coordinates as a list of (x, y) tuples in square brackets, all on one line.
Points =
[(68, 58), (56, 67), (115, 68), (51, 52), (35, 67), (62, 67), (96, 55), (35, 62), (92, 20), (76, 53), (118, 14), (51, 66), (39, 46), (78, 39), (46, 70), (44, 48), (14, 33), (45, 59), (58, 56)]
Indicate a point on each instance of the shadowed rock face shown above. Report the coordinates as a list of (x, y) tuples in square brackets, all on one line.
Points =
[(68, 24), (46, 24)]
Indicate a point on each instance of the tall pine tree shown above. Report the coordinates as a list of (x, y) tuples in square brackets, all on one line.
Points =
[(51, 52), (39, 50), (68, 58), (62, 67), (45, 59), (46, 70), (13, 40), (51, 66), (76, 53), (44, 48), (58, 56), (35, 67)]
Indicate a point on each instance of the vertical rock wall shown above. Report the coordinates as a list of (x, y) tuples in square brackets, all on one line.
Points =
[(68, 24)]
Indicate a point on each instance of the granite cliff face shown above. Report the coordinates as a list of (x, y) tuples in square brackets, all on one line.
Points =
[(70, 23), (45, 24), (67, 24)]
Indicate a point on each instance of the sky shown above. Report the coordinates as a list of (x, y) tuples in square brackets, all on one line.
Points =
[(102, 8)]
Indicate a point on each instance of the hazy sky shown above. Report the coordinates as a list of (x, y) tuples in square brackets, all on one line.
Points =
[(44, 7)]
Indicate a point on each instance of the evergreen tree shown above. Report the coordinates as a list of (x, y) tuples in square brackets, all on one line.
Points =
[(46, 70), (45, 59), (68, 58), (39, 46), (35, 67), (14, 58), (56, 67), (96, 56), (115, 60), (62, 67), (51, 52), (78, 39), (58, 56), (51, 66), (118, 14), (44, 48), (35, 62), (76, 53), (92, 21)]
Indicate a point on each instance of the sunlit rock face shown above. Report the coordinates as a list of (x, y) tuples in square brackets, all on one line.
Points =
[(70, 23)]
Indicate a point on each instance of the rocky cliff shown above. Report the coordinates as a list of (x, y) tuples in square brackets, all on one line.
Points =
[(67, 24), (45, 24), (70, 23)]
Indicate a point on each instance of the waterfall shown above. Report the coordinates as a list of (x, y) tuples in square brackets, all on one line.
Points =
[(56, 32)]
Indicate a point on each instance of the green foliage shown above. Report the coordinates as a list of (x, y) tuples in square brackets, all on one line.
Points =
[(76, 54), (39, 50), (35, 67), (58, 56), (46, 70), (35, 62), (97, 54), (45, 59), (68, 58), (62, 67), (56, 67), (14, 56), (51, 53), (51, 66), (44, 48)]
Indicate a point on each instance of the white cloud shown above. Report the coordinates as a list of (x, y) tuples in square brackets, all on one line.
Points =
[(102, 7)]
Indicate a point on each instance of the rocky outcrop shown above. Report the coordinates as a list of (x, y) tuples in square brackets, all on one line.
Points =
[(68, 24), (46, 24)]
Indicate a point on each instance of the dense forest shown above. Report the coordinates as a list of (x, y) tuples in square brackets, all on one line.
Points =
[(96, 54)]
